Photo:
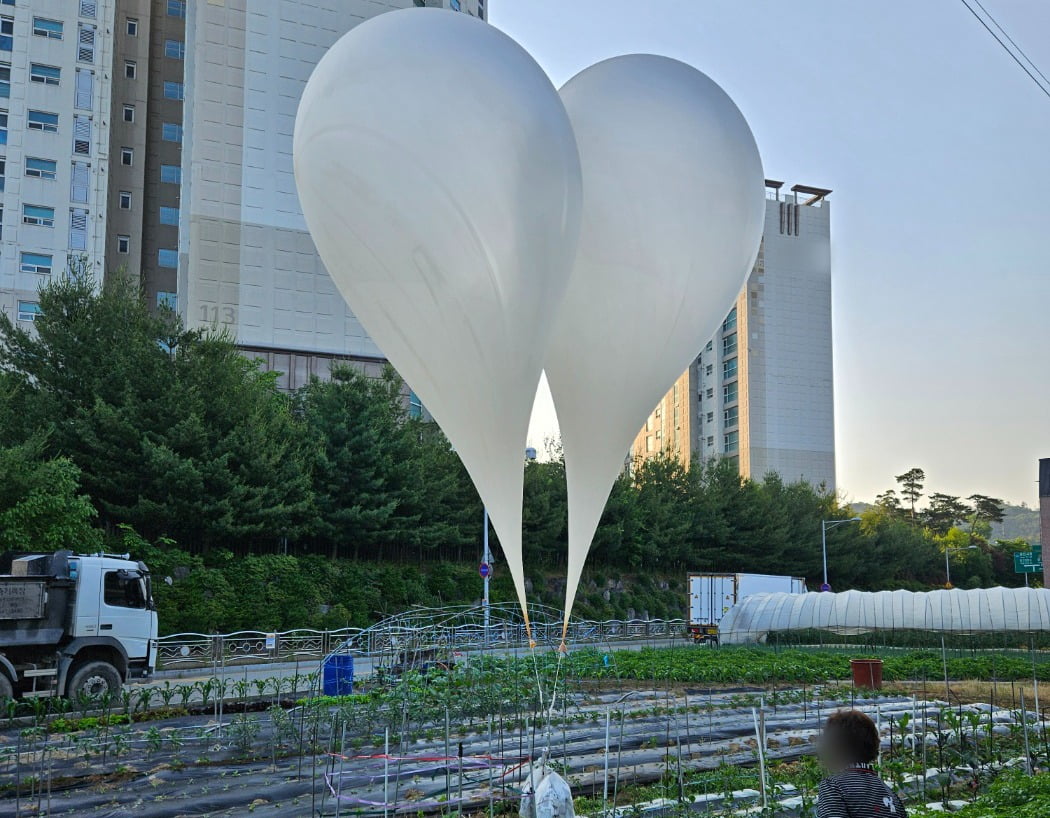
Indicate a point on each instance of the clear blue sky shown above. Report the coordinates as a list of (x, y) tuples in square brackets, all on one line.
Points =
[(937, 147)]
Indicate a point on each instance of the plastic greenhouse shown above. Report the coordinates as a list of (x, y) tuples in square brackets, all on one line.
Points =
[(984, 610)]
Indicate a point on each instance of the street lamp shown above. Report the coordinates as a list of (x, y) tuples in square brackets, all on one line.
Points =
[(824, 526), (947, 565)]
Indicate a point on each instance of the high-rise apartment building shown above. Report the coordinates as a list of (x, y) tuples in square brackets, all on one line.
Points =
[(761, 391), (154, 138), (55, 150), (246, 260)]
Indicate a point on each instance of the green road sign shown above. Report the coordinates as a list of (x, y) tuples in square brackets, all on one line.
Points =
[(1029, 562)]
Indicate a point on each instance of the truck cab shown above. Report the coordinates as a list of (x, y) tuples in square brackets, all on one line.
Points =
[(74, 625)]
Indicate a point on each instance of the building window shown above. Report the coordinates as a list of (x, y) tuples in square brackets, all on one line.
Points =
[(3, 174), (123, 244), (730, 322), (3, 127), (710, 393), (711, 441), (729, 368), (88, 8), (52, 29), (81, 134), (172, 174), (132, 27), (41, 121), (45, 74), (730, 393), (169, 215), (124, 199), (710, 417), (7, 33), (127, 156), (38, 215), (171, 302), (649, 443), (80, 187), (5, 81), (171, 132), (41, 168), (731, 442), (129, 113), (176, 8), (168, 258), (85, 43), (729, 344), (78, 222), (131, 69), (39, 263), (176, 49), (28, 310), (84, 92), (731, 416), (415, 405), (174, 90)]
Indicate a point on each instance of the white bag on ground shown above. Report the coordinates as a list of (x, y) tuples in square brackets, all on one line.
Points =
[(553, 795)]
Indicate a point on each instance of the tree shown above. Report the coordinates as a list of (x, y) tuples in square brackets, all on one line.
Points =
[(174, 432), (889, 501), (943, 512), (359, 469), (40, 504), (989, 509), (911, 483)]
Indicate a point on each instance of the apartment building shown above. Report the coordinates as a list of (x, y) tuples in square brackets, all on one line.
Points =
[(246, 262), (55, 149), (761, 390), (154, 139)]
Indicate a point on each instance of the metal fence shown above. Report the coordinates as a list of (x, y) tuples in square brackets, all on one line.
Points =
[(459, 629)]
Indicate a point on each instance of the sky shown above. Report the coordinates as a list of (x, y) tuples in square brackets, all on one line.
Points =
[(937, 148)]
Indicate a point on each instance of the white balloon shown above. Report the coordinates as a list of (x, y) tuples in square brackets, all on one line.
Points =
[(672, 218), (439, 178)]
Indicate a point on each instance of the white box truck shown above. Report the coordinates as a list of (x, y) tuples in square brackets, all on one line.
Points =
[(712, 595), (74, 625)]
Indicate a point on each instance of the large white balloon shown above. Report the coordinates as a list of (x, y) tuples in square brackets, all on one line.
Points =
[(439, 177), (672, 219)]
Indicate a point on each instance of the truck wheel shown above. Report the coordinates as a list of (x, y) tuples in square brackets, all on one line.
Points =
[(6, 691), (93, 681)]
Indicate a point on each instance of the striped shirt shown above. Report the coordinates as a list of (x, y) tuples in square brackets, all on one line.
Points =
[(857, 792)]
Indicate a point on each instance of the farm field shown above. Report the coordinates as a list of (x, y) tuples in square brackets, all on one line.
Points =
[(460, 741)]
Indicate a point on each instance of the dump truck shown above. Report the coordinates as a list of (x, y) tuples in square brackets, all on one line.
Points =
[(74, 625), (712, 595)]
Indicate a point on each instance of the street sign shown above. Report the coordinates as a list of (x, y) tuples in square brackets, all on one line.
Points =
[(1029, 562), (824, 587), (485, 570)]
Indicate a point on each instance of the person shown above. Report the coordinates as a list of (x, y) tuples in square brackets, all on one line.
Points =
[(848, 748)]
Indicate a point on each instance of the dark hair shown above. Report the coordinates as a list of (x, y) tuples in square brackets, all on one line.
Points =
[(852, 736)]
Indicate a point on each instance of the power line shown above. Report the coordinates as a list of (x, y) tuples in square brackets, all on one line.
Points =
[(1011, 39), (1006, 48)]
